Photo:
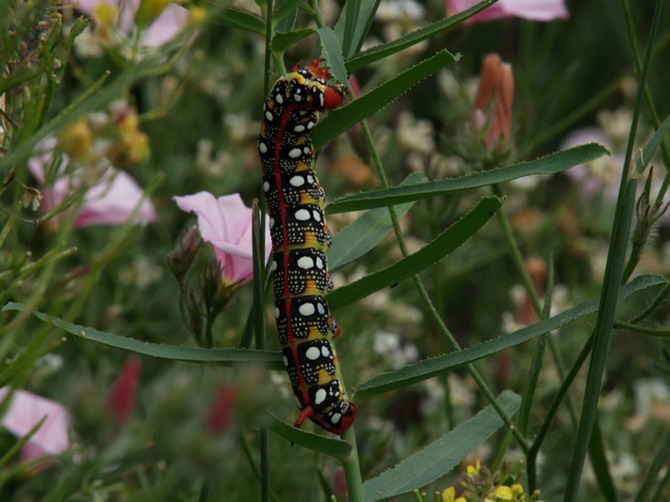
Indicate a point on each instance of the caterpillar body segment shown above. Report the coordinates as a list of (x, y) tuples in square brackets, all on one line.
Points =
[(300, 238)]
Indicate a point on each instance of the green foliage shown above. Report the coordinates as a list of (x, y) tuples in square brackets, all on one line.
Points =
[(473, 217)]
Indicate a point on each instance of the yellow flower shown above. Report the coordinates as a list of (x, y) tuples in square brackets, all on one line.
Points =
[(106, 14), (473, 470), (504, 493), (77, 139), (449, 494), (198, 14), (517, 489)]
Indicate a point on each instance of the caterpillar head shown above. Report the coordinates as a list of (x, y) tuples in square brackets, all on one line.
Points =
[(333, 94)]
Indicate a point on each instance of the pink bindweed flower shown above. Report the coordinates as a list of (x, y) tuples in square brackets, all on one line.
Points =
[(170, 18), (113, 200), (25, 412), (535, 10), (122, 397), (493, 105), (226, 224)]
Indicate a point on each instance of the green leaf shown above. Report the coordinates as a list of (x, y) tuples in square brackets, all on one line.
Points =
[(286, 9), (282, 41), (442, 245), (382, 51), (442, 455), (330, 47), (363, 21), (554, 163), (652, 145), (363, 234), (242, 19), (430, 367), (333, 447), (225, 357), (342, 119)]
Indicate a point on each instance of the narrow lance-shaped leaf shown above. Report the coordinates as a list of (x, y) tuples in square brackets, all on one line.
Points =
[(330, 46), (363, 234), (554, 163), (382, 51), (226, 357), (366, 14), (333, 447), (442, 245), (442, 455), (340, 120), (242, 19), (286, 9), (428, 368)]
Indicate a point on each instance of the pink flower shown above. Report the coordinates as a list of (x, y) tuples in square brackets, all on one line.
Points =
[(535, 10), (226, 224), (113, 200), (25, 412), (122, 397), (162, 30)]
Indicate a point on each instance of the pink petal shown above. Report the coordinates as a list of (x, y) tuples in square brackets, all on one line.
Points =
[(167, 26), (226, 224), (111, 201), (535, 10), (114, 200), (26, 410)]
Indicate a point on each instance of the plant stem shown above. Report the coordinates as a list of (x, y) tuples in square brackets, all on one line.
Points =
[(352, 469), (377, 164)]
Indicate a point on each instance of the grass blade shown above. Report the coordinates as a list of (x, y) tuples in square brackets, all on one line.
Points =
[(225, 357), (439, 457), (442, 245), (366, 15), (242, 19), (554, 163), (428, 368)]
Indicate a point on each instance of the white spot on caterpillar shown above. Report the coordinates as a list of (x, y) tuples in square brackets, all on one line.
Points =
[(273, 267), (313, 353), (279, 98), (310, 125), (266, 186), (297, 97), (276, 313), (317, 215), (325, 351), (335, 418), (285, 361), (310, 179), (262, 147), (320, 396), (319, 263), (306, 309), (307, 150), (321, 99), (303, 112), (297, 181), (272, 222), (268, 115), (320, 308), (295, 153), (299, 128), (305, 262), (302, 215)]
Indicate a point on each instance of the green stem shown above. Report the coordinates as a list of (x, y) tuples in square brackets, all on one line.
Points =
[(352, 468)]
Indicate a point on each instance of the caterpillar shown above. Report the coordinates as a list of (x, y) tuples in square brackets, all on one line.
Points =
[(300, 238)]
